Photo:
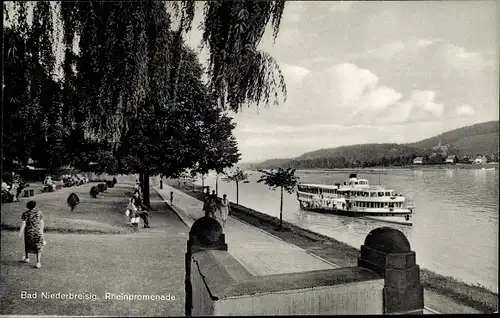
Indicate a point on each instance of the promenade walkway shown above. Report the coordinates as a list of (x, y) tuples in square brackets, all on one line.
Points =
[(258, 251)]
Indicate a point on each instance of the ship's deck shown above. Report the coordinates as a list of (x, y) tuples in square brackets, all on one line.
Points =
[(346, 187)]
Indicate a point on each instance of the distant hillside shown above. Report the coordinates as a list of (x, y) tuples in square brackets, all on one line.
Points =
[(270, 163), (471, 140)]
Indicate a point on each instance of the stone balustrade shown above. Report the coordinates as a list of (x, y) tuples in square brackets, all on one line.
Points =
[(386, 280)]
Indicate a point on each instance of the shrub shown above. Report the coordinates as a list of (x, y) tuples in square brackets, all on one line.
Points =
[(100, 187), (94, 192), (73, 201), (110, 184)]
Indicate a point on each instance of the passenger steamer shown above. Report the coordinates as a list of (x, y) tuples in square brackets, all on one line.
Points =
[(355, 198)]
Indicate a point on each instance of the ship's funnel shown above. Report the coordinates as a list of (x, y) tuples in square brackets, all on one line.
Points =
[(353, 175)]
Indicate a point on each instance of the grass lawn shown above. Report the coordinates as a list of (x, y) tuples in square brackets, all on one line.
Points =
[(150, 261), (104, 214)]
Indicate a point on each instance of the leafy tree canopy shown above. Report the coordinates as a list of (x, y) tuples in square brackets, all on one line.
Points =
[(236, 176), (281, 178)]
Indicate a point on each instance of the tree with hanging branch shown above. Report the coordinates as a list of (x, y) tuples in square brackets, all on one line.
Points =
[(284, 179), (129, 68)]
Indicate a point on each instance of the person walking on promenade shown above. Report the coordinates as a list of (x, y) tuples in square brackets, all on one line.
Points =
[(224, 209), (141, 210), (206, 202), (32, 227), (209, 206)]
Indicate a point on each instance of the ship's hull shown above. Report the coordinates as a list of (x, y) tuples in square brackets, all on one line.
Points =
[(399, 218)]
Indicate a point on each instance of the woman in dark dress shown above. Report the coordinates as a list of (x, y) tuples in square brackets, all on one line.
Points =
[(32, 227)]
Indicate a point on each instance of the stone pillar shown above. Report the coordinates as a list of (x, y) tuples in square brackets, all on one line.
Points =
[(387, 252), (205, 234)]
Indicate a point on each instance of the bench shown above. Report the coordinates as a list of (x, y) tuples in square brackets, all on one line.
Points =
[(46, 188), (29, 193)]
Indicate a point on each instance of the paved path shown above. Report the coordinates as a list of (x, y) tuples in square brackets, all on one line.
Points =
[(260, 252)]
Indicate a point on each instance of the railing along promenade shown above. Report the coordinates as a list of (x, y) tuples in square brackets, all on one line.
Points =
[(386, 280)]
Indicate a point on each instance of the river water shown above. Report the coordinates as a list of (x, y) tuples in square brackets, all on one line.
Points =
[(455, 226)]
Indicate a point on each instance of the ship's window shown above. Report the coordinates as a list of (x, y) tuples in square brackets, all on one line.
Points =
[(381, 194), (388, 194)]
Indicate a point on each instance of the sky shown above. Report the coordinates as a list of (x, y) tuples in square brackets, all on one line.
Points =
[(373, 72)]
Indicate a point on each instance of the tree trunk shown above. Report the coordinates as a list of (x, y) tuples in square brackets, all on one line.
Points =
[(281, 210), (217, 184), (146, 199), (237, 194), (203, 181)]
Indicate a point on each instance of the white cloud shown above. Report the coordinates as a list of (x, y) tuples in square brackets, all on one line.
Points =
[(350, 82), (419, 106), (465, 110), (337, 95), (424, 100), (293, 72), (390, 50), (386, 51), (379, 98), (442, 51), (399, 113), (423, 43), (460, 58)]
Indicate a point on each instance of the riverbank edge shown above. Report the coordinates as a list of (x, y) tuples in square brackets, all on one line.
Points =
[(473, 296)]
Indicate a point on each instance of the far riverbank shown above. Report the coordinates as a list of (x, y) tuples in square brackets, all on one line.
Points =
[(489, 166), (342, 254)]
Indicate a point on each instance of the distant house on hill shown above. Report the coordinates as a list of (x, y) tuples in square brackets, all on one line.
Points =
[(451, 159), (418, 161), (480, 160)]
